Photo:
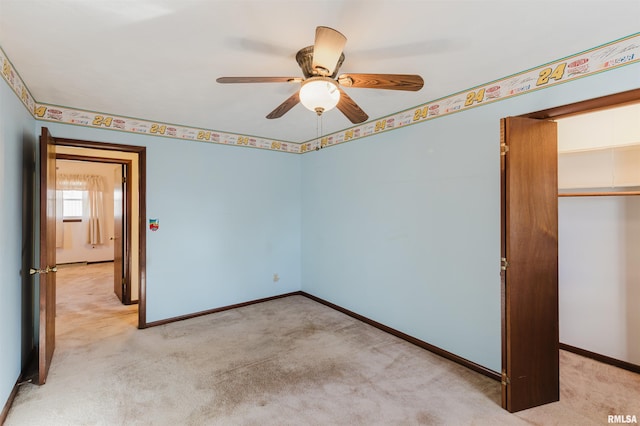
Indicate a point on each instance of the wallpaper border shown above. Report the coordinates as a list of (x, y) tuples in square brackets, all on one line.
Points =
[(609, 56)]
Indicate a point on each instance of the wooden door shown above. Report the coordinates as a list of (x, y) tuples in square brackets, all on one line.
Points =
[(530, 358), (47, 266), (118, 234)]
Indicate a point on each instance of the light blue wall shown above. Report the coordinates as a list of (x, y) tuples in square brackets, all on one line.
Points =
[(17, 146), (403, 227), (229, 220)]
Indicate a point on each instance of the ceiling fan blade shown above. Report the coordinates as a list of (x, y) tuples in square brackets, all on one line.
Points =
[(409, 82), (350, 109), (259, 80), (327, 49), (284, 107)]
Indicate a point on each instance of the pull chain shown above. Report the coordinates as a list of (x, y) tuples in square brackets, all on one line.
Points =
[(319, 131)]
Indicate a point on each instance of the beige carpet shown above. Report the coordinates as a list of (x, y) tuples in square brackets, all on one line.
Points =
[(290, 361)]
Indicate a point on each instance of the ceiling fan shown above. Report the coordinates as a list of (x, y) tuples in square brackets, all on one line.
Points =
[(320, 88)]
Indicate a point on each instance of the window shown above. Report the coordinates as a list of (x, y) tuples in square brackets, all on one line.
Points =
[(72, 205)]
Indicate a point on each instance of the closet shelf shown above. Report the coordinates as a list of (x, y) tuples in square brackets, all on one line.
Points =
[(598, 194)]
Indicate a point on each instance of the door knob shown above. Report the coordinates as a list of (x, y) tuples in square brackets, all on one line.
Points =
[(46, 270)]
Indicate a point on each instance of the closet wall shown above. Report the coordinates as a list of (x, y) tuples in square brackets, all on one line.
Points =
[(599, 232), (74, 241)]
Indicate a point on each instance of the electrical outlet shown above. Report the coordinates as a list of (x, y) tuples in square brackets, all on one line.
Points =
[(276, 278)]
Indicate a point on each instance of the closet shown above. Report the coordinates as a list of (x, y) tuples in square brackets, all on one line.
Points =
[(599, 232)]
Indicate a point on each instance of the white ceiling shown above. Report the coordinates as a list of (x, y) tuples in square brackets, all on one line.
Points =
[(158, 59)]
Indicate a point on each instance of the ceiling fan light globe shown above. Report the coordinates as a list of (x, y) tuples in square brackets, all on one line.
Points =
[(319, 93)]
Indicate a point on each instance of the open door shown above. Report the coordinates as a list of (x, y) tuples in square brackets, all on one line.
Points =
[(119, 246), (530, 348), (47, 267)]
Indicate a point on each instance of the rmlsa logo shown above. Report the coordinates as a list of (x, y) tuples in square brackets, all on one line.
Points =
[(620, 418)]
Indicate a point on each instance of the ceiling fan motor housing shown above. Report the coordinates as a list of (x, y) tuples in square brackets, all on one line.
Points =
[(304, 57)]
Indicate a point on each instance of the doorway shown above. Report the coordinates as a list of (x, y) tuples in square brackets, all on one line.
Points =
[(530, 324), (132, 235), (96, 226), (599, 235), (50, 149)]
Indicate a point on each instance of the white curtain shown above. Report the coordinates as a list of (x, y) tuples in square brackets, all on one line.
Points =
[(93, 209)]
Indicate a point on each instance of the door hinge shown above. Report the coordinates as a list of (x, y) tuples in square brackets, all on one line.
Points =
[(124, 179), (504, 149), (505, 379), (504, 264)]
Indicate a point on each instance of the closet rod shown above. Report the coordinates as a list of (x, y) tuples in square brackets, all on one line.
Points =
[(598, 194)]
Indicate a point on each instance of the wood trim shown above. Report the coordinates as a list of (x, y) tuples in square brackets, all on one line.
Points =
[(590, 105), (128, 214), (28, 374), (221, 309), (598, 194), (91, 159), (503, 258), (105, 146), (142, 238), (601, 358), (424, 345), (9, 403)]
